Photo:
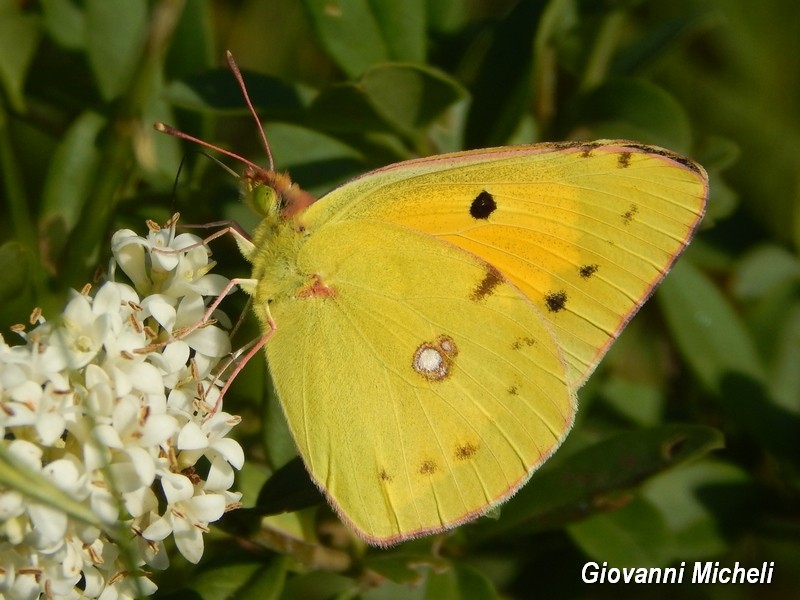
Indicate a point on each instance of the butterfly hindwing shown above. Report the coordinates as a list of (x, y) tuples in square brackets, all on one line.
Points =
[(421, 387)]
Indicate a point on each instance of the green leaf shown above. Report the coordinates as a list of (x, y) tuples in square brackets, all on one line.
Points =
[(410, 97), (460, 582), (633, 536), (708, 332), (642, 403), (115, 36), (392, 97), (19, 38), (635, 109), (16, 264), (242, 580), (405, 567), (501, 90), (65, 23), (702, 505), (591, 480), (71, 173), (763, 269), (350, 32), (403, 27), (290, 488), (218, 91)]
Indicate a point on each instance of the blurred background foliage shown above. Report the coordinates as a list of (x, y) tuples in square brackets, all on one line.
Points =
[(688, 438)]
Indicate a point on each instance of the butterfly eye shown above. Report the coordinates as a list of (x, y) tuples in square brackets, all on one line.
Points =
[(263, 199)]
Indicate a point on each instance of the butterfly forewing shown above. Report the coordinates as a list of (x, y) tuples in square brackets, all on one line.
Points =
[(585, 231)]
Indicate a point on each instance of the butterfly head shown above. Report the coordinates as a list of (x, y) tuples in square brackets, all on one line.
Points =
[(273, 194)]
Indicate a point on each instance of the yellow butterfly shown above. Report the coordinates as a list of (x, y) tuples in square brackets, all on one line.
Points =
[(430, 322)]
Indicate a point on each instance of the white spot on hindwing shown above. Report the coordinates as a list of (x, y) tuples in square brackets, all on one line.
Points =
[(434, 360)]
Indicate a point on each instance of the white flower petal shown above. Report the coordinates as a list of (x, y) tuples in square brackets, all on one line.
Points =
[(140, 502), (107, 299), (104, 505), (63, 473), (158, 529), (211, 341), (230, 451), (176, 354), (146, 378), (162, 309), (220, 475), (157, 429), (12, 504), (191, 437), (210, 285), (207, 508), (189, 540), (27, 453), (93, 582), (108, 436), (50, 427), (177, 488), (50, 524), (143, 464)]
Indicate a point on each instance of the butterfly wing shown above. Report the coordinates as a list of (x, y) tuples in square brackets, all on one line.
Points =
[(421, 387), (584, 230)]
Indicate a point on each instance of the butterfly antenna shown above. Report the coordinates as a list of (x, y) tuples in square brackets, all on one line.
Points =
[(238, 74), (169, 130)]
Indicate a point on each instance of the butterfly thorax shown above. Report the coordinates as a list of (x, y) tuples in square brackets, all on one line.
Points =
[(277, 240)]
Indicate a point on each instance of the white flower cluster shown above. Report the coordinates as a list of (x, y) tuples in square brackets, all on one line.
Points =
[(115, 407)]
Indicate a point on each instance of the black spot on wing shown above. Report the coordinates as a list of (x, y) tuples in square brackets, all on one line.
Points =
[(586, 271), (465, 451), (521, 342), (624, 160), (487, 285), (629, 214), (686, 162), (482, 206), (428, 467), (556, 301)]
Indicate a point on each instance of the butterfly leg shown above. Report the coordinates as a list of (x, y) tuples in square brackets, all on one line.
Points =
[(233, 228)]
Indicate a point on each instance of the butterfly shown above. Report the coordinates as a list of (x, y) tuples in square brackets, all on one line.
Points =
[(427, 324)]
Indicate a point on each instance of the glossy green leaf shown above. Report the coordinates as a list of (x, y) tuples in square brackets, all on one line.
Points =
[(16, 264), (242, 580), (501, 95), (709, 333), (406, 567), (642, 403), (115, 36), (460, 582), (633, 536), (392, 97), (19, 38), (701, 504), (634, 109), (403, 27), (71, 174), (65, 22), (591, 480), (218, 91), (349, 30), (763, 269)]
